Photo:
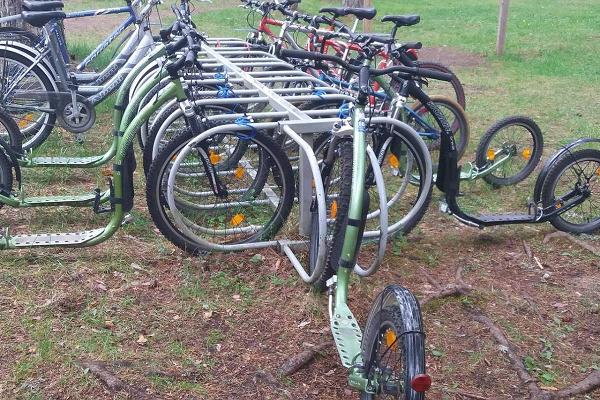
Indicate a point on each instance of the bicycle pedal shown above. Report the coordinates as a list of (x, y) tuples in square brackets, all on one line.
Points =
[(331, 281)]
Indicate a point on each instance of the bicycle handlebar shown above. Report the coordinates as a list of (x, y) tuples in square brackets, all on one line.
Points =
[(359, 69)]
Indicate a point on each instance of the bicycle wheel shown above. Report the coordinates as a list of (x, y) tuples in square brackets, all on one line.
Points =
[(393, 347), (404, 170), (9, 133), (518, 138), (26, 99), (170, 121), (424, 123), (256, 199), (456, 91), (336, 173), (573, 174)]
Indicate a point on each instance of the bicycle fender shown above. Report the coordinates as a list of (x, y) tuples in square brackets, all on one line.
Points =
[(31, 54), (541, 179)]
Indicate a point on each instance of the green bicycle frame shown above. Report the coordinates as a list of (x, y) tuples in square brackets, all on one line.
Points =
[(127, 119)]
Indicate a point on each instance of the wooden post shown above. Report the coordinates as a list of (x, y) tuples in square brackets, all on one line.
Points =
[(502, 19), (367, 23)]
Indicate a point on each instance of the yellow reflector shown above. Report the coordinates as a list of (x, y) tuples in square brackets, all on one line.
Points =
[(526, 153), (491, 154), (598, 172), (214, 158), (25, 120), (174, 157), (394, 162), (237, 219), (390, 339), (333, 210), (239, 172)]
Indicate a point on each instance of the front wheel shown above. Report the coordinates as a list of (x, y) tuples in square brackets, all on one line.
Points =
[(573, 175), (393, 347), (520, 140)]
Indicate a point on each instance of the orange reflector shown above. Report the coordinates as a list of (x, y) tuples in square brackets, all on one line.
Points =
[(333, 210), (214, 158), (107, 171), (237, 219), (239, 172), (25, 120), (491, 154), (390, 339), (598, 172), (174, 157), (420, 383), (394, 162), (526, 153)]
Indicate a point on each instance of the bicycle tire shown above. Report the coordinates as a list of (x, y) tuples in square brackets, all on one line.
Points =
[(459, 90), (41, 130), (402, 326), (461, 123), (274, 160), (342, 205), (536, 153), (560, 166)]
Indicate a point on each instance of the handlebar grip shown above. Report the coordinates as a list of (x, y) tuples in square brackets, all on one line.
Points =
[(190, 58), (309, 55), (165, 33), (172, 48), (433, 74)]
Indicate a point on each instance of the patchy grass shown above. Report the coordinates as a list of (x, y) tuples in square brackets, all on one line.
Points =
[(211, 324)]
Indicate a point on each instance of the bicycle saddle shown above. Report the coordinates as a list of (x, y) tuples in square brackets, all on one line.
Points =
[(402, 20), (29, 5), (360, 13), (41, 18)]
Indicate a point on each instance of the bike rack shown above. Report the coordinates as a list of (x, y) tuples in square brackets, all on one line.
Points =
[(298, 125)]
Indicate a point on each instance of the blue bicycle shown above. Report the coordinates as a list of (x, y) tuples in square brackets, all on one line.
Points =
[(39, 87)]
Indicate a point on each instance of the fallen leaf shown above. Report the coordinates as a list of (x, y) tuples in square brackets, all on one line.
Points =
[(142, 340), (237, 297), (303, 324), (207, 314)]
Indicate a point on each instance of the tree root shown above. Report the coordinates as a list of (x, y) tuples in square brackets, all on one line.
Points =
[(299, 360), (458, 288), (113, 382), (588, 384), (573, 239)]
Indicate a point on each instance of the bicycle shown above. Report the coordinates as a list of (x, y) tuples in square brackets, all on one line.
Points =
[(38, 87)]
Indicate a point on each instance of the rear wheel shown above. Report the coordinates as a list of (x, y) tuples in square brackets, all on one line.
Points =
[(425, 124), (257, 197), (573, 174), (26, 100), (518, 138)]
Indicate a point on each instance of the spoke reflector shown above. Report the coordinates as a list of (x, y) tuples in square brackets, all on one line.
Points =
[(237, 219), (491, 154), (333, 210), (239, 172), (214, 158), (391, 339), (394, 162), (25, 120), (526, 153)]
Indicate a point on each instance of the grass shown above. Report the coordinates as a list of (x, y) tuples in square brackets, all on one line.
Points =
[(194, 318)]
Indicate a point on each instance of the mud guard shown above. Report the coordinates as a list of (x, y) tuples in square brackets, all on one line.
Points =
[(541, 178)]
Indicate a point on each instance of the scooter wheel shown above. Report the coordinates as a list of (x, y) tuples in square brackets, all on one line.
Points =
[(517, 137)]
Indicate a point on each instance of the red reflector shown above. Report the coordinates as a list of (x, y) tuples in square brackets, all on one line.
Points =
[(421, 383)]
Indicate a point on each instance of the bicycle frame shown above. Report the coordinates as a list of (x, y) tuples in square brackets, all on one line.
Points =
[(127, 119)]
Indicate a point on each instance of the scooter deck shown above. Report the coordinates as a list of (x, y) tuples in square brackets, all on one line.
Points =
[(497, 219), (65, 161), (42, 201), (347, 335), (54, 239)]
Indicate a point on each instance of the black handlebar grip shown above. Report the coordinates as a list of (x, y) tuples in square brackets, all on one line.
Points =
[(190, 58), (172, 48), (412, 45), (433, 74)]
